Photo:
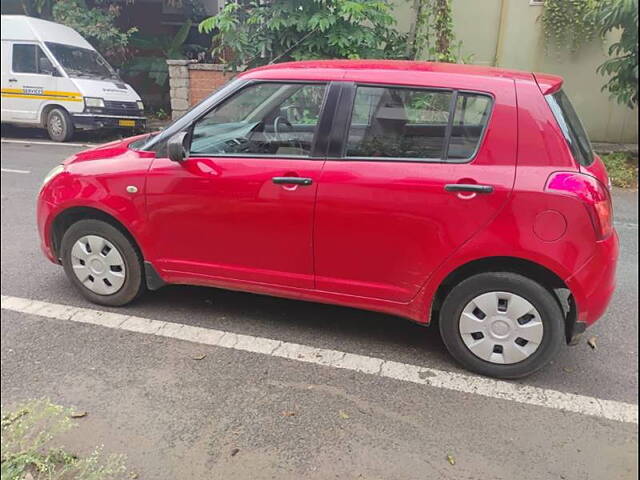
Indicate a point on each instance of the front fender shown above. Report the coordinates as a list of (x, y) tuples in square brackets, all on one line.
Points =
[(113, 188)]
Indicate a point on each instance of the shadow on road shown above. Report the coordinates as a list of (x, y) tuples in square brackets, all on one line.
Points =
[(277, 317)]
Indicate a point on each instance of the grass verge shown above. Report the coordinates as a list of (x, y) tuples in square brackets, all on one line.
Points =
[(28, 431), (622, 168)]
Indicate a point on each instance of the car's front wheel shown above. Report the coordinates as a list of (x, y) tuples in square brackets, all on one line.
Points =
[(502, 325), (102, 263)]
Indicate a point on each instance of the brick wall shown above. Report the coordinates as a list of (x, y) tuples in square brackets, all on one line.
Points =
[(203, 81), (191, 82)]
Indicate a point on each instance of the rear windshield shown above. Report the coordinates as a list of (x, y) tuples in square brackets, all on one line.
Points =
[(571, 127)]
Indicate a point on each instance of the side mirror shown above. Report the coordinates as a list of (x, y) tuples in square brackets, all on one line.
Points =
[(45, 66), (177, 147)]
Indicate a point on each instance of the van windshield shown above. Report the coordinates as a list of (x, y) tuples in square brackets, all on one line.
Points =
[(82, 62), (571, 127)]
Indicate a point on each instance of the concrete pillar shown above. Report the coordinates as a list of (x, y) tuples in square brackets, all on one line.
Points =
[(179, 86)]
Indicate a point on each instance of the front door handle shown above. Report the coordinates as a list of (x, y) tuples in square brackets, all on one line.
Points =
[(468, 187), (292, 181), (13, 80)]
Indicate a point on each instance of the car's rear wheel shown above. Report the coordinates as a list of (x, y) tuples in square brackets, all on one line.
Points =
[(59, 125), (102, 263), (502, 324)]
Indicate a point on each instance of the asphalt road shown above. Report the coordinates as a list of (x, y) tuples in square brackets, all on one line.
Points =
[(176, 417)]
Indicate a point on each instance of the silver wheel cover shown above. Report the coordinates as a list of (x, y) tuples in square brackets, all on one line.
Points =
[(55, 124), (98, 264), (501, 327)]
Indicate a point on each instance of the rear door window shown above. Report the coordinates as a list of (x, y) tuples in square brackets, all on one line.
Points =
[(471, 115), (421, 124), (571, 127)]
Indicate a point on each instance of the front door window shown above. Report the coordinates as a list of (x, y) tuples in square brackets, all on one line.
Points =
[(267, 119)]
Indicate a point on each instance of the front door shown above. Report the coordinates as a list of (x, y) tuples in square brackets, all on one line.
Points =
[(24, 87), (241, 206), (421, 170)]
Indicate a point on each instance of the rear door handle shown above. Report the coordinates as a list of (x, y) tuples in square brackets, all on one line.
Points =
[(292, 181), (468, 187)]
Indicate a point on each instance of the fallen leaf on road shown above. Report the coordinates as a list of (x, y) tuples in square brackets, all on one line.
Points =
[(451, 460), (592, 343), (568, 370), (200, 357), (78, 414), (133, 476), (288, 414), (343, 415), (234, 452)]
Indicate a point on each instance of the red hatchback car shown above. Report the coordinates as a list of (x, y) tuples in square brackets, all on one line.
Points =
[(461, 194)]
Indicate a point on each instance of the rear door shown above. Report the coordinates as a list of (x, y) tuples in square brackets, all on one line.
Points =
[(416, 173)]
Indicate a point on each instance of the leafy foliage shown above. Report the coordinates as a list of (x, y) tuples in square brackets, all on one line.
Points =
[(254, 33), (569, 23), (27, 432), (156, 50), (96, 24), (433, 36), (623, 66)]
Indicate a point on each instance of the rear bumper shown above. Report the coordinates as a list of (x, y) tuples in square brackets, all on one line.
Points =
[(91, 121), (594, 283)]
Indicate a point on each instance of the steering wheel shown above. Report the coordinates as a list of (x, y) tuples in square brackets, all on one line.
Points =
[(276, 127)]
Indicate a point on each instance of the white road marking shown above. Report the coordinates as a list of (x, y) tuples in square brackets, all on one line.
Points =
[(12, 170), (528, 395), (633, 226), (38, 142)]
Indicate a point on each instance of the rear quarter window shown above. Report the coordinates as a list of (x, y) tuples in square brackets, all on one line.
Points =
[(571, 126)]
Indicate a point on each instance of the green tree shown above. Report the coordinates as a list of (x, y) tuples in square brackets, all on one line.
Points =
[(94, 20), (622, 67), (96, 24), (256, 32), (155, 51)]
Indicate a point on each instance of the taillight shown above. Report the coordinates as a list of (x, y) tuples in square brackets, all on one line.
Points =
[(593, 194)]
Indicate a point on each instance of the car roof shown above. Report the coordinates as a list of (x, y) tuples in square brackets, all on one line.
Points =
[(412, 71)]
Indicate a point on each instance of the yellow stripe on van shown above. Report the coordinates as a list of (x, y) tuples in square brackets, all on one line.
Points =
[(45, 95)]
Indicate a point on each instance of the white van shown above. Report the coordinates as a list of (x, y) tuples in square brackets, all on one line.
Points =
[(55, 79)]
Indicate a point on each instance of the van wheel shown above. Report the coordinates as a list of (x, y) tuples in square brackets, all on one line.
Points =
[(102, 263), (59, 125), (502, 325)]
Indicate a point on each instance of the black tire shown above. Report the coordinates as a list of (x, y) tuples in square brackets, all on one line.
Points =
[(59, 125), (542, 299), (134, 280)]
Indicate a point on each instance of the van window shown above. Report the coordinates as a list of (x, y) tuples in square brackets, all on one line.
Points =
[(571, 127), (26, 58), (399, 123)]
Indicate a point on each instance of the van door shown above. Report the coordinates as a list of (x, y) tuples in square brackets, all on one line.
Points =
[(419, 172), (24, 85)]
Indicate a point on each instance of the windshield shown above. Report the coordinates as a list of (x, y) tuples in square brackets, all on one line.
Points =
[(571, 127), (81, 62)]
